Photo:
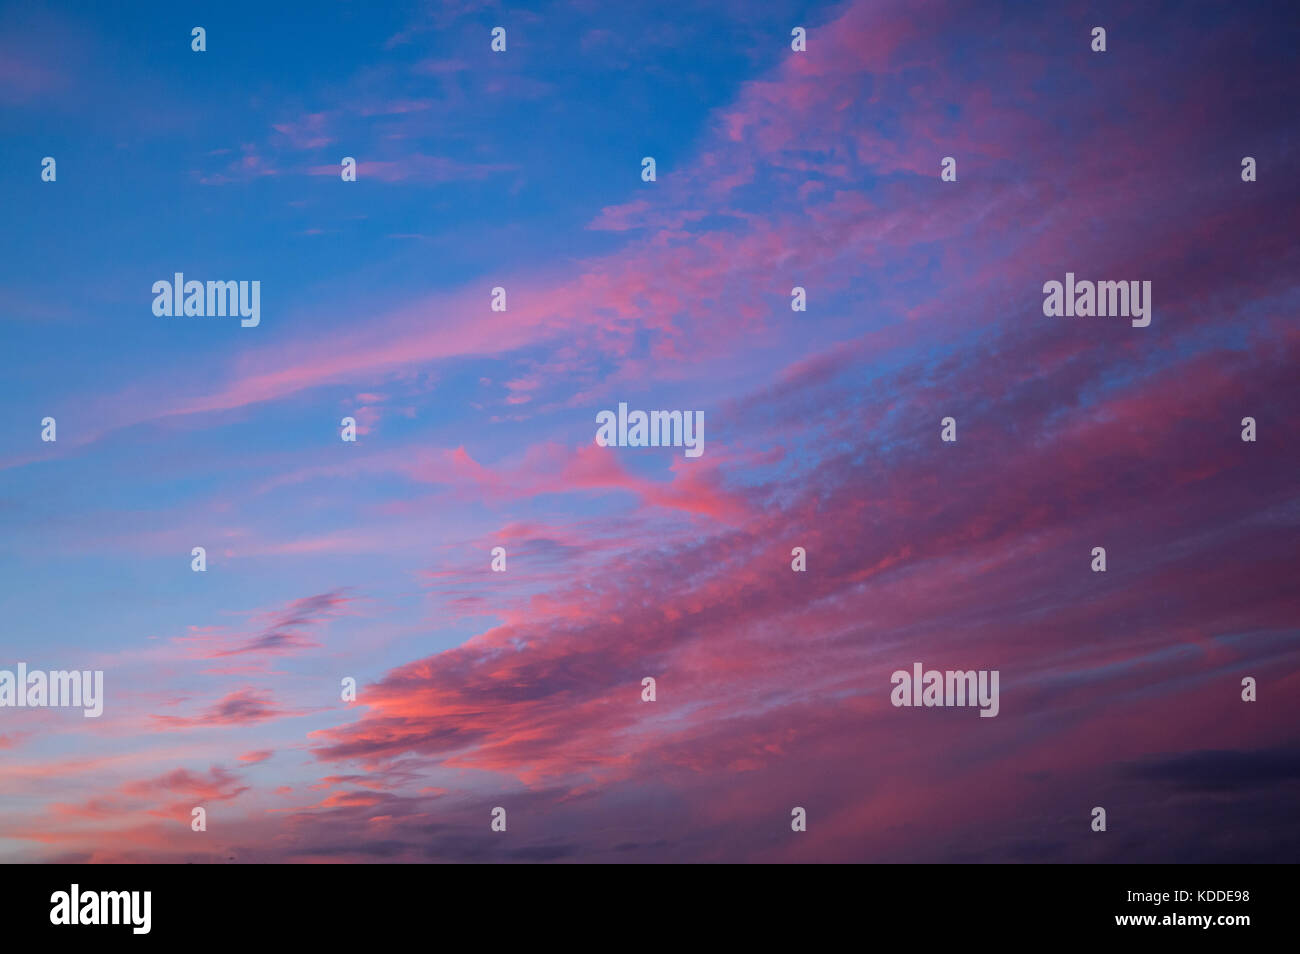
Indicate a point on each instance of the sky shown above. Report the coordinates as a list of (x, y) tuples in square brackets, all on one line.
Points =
[(372, 559)]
